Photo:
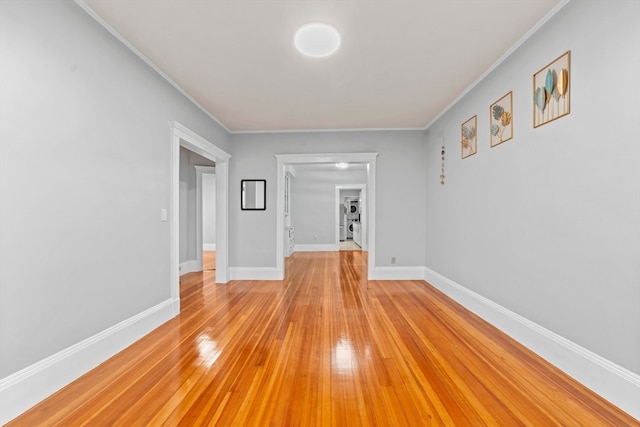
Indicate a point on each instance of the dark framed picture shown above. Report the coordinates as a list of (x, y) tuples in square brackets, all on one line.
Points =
[(253, 194)]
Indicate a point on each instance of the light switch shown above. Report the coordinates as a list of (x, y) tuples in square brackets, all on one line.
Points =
[(163, 214)]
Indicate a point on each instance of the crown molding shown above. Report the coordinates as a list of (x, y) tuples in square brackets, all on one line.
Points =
[(146, 60)]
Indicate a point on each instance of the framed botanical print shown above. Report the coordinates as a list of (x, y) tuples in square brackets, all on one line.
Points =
[(469, 140), (501, 120)]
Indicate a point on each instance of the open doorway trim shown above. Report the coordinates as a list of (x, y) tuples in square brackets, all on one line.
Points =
[(364, 220), (183, 137), (284, 160)]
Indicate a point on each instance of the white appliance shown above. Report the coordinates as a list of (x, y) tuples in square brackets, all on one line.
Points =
[(352, 206), (350, 229), (357, 234)]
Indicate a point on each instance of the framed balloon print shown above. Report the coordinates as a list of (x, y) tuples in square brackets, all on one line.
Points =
[(552, 90)]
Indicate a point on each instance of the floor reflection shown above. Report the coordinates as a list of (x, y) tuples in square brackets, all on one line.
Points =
[(344, 360), (208, 351)]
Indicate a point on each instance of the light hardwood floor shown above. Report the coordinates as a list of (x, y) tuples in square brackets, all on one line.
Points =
[(325, 347), (209, 260)]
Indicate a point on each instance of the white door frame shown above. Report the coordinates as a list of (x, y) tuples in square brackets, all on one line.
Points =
[(283, 160), (183, 137), (363, 219)]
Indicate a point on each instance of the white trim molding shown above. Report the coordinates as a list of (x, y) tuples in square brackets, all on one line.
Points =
[(500, 60), (208, 246), (25, 388), (157, 69), (190, 266), (611, 381), (147, 61), (184, 137)]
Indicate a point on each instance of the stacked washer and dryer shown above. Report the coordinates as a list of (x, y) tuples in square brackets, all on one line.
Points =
[(352, 215)]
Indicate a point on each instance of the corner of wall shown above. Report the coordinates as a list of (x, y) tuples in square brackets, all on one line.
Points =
[(611, 381)]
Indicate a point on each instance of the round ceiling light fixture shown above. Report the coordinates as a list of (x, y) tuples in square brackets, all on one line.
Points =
[(317, 40)]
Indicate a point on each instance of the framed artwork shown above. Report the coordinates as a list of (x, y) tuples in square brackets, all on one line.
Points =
[(501, 120), (552, 90), (469, 141), (253, 194)]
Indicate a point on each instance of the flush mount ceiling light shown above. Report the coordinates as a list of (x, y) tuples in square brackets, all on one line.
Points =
[(342, 165), (317, 40)]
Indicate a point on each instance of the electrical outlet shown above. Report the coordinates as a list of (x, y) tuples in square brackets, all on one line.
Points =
[(393, 260)]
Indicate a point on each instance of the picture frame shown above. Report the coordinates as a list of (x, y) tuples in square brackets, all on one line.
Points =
[(469, 137), (552, 90), (253, 194), (501, 120)]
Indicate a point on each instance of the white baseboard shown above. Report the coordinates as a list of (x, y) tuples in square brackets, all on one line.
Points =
[(189, 267), (397, 273), (328, 247), (611, 381), (254, 273), (208, 246), (25, 388)]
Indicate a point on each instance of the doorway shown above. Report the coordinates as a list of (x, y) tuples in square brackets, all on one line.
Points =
[(284, 160), (345, 233), (183, 137)]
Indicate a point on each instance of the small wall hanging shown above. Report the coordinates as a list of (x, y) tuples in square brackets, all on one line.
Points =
[(501, 120), (442, 168), (552, 90), (253, 194), (469, 141)]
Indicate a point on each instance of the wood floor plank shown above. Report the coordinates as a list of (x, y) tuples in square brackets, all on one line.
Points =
[(324, 347)]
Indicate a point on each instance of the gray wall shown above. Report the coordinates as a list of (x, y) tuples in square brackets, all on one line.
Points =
[(84, 172), (313, 199), (187, 204), (208, 208), (400, 191), (188, 195), (547, 224)]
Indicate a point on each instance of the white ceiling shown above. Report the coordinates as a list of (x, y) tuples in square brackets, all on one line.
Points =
[(400, 64)]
